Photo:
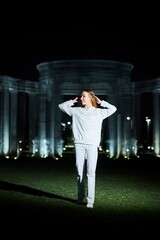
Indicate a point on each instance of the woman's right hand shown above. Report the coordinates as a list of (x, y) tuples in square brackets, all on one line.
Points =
[(75, 100)]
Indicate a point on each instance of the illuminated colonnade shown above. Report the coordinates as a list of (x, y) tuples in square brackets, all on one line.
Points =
[(37, 104), (156, 129), (12, 140), (109, 79), (139, 88)]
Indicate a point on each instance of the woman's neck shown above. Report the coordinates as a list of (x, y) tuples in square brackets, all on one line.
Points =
[(88, 106)]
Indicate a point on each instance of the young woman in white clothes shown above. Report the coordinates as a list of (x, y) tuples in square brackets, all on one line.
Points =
[(86, 128)]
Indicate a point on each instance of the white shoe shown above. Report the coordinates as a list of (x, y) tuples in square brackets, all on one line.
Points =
[(89, 205)]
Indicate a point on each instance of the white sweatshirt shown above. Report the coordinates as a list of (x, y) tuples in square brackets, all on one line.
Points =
[(87, 123)]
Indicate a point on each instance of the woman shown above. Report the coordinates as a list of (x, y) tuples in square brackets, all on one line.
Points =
[(86, 128)]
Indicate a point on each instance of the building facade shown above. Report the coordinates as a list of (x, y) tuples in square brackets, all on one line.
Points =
[(32, 124)]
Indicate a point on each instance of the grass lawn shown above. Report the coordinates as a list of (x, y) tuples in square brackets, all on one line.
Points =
[(44, 191)]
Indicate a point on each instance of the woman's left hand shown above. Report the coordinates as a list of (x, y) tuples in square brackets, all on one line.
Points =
[(98, 101)]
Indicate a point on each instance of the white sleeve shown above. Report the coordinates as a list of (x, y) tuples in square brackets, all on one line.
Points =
[(110, 109), (66, 107)]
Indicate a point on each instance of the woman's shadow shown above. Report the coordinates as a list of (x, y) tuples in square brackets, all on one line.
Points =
[(31, 191)]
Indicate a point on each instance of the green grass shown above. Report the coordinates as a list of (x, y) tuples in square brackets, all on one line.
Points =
[(45, 191)]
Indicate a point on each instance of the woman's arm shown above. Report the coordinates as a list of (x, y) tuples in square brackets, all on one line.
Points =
[(66, 106), (109, 108)]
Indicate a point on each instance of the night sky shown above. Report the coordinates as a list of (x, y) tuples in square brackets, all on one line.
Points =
[(21, 51)]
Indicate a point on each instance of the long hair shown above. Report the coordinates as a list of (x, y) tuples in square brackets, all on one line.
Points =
[(93, 100)]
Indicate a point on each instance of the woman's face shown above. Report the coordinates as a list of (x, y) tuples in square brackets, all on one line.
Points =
[(85, 98)]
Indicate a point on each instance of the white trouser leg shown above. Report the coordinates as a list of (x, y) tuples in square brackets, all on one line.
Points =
[(92, 155), (80, 167), (90, 152)]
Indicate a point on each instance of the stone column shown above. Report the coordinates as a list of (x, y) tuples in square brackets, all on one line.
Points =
[(57, 126), (13, 122), (33, 118), (156, 123), (119, 137), (5, 122), (42, 123)]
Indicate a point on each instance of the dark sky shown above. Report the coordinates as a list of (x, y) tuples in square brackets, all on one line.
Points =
[(20, 52)]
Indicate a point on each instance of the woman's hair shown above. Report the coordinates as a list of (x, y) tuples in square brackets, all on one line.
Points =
[(93, 100)]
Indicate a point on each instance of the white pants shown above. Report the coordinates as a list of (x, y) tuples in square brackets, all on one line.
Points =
[(86, 162)]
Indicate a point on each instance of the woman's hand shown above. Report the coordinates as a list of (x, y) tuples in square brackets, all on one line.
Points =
[(75, 100), (98, 101)]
